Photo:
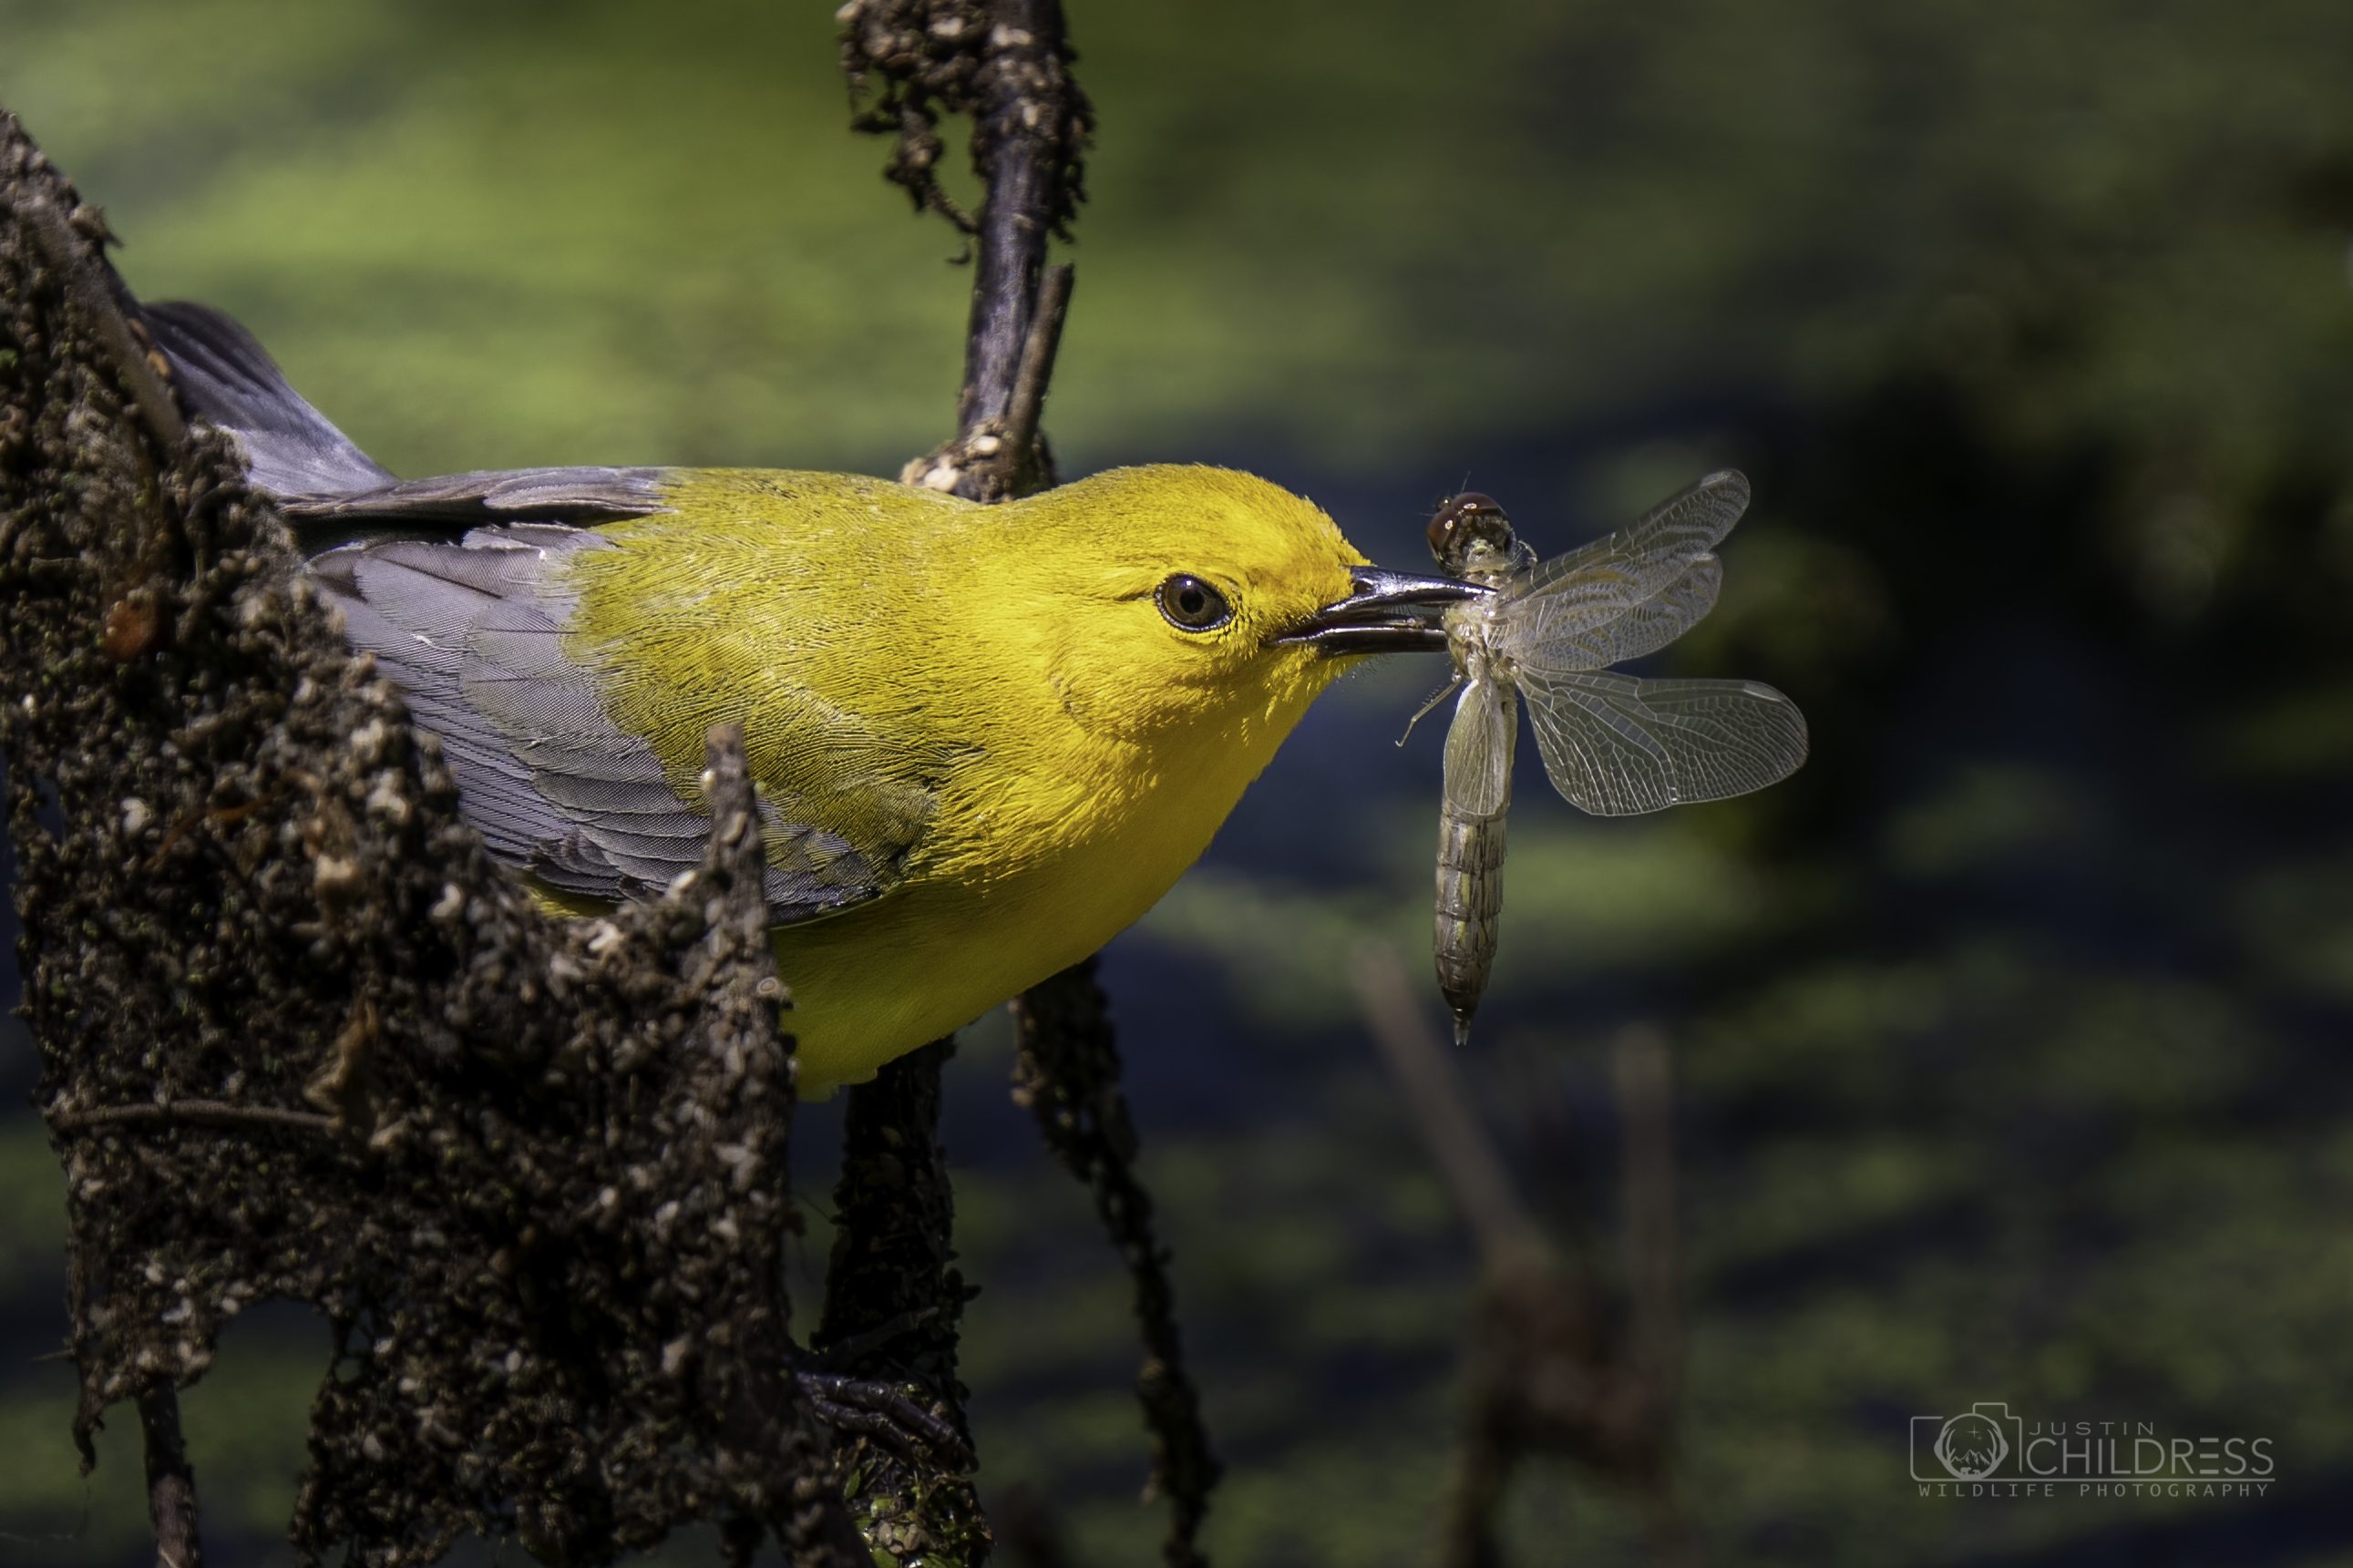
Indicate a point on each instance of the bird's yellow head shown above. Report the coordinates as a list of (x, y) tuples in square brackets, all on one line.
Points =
[(1190, 599), (1152, 631)]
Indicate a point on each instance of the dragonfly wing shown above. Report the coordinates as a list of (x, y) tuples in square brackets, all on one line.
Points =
[(1479, 751), (1610, 577), (1542, 639), (1616, 746)]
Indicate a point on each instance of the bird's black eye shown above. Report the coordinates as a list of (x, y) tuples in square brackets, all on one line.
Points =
[(1191, 604)]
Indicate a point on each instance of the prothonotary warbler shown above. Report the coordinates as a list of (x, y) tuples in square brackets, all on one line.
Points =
[(984, 739)]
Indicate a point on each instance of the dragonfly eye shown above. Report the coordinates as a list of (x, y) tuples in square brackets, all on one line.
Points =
[(1190, 605), (1465, 523)]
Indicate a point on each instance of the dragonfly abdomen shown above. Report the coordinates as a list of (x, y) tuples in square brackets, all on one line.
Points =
[(1471, 817), (1470, 902), (1469, 867)]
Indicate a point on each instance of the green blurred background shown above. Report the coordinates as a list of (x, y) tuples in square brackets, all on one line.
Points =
[(2010, 1033)]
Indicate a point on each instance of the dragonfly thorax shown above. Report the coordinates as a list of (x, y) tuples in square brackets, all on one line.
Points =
[(1473, 638)]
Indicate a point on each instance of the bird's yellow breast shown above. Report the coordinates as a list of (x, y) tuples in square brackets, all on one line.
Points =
[(1029, 869)]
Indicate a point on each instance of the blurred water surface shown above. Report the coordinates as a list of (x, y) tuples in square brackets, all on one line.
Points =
[(2009, 1033)]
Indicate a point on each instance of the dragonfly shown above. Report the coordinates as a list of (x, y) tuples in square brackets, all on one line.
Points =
[(1546, 633)]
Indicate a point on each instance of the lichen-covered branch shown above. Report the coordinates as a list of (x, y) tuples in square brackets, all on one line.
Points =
[(1006, 64), (1068, 1075), (893, 1301), (300, 1039)]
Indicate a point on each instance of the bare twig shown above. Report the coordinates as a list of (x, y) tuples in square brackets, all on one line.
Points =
[(1433, 1093), (1549, 1370), (1510, 1245), (1645, 1073), (1068, 1075), (192, 1113), (1024, 135), (1646, 1110), (1037, 369), (171, 1480)]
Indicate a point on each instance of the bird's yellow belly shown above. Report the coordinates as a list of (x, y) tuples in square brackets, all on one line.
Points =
[(876, 981), (880, 979), (1029, 868)]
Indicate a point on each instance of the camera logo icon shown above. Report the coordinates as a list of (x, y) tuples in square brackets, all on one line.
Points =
[(1972, 1447)]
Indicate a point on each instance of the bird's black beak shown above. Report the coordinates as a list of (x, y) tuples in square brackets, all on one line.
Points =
[(1390, 611)]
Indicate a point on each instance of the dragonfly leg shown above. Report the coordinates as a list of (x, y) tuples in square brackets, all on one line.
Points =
[(1427, 708)]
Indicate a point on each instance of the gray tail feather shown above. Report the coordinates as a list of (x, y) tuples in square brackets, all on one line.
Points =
[(230, 382)]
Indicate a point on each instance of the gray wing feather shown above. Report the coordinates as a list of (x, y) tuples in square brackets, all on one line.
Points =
[(315, 471), (474, 637), (553, 495), (231, 383)]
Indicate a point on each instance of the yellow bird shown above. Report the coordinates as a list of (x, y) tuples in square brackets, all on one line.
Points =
[(986, 739)]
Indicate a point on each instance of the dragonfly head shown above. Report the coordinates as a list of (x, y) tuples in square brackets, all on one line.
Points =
[(1384, 611)]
